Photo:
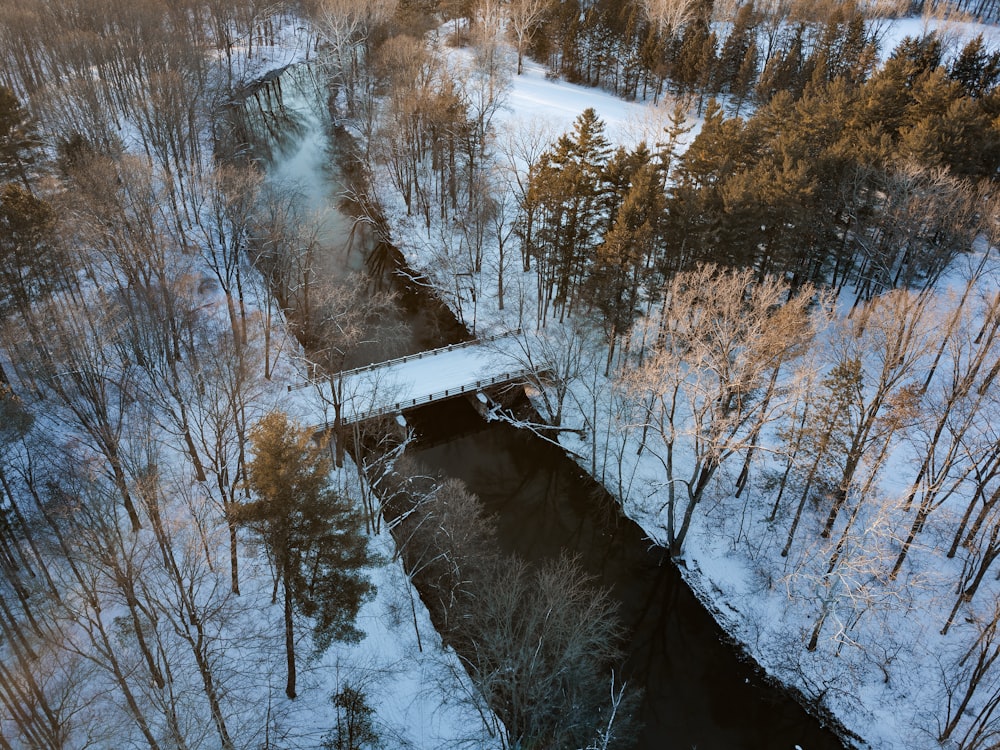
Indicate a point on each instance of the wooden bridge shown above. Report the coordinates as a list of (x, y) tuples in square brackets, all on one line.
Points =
[(396, 385)]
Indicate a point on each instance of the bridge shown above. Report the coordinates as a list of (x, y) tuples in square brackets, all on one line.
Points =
[(393, 386)]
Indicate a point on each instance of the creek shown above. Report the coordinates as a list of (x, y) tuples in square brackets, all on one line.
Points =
[(699, 691)]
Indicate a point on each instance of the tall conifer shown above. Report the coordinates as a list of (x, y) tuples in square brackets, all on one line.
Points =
[(312, 534)]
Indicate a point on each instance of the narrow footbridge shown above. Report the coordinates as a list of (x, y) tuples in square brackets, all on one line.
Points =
[(393, 386)]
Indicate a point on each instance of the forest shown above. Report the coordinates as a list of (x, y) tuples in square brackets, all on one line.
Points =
[(769, 324)]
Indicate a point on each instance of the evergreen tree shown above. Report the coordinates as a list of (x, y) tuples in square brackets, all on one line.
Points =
[(826, 57), (786, 70), (653, 54), (733, 54), (976, 69), (312, 534), (355, 729), (914, 57), (963, 139), (805, 178), (695, 63), (619, 173), (566, 192), (886, 102), (623, 262), (742, 85), (859, 52), (668, 150), (28, 259), (19, 145), (722, 146)]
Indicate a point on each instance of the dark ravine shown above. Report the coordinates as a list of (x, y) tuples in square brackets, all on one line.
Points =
[(701, 689)]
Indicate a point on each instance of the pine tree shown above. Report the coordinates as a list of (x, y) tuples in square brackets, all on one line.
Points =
[(915, 57), (18, 143), (696, 60), (732, 57), (785, 71), (566, 194), (623, 261), (742, 84), (28, 258), (312, 534), (355, 728), (977, 69), (963, 138), (719, 149)]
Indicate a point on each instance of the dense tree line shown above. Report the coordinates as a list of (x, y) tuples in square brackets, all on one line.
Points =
[(834, 183)]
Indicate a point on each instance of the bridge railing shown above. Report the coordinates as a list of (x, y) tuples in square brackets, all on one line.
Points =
[(407, 358), (410, 403)]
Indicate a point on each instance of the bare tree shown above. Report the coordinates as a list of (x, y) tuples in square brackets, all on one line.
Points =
[(521, 148), (538, 646), (502, 228), (553, 359), (670, 15), (958, 400), (525, 17), (704, 388), (225, 224), (536, 642), (977, 689), (883, 346), (345, 29)]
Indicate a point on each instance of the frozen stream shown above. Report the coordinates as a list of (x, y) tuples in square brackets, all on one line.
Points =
[(698, 692)]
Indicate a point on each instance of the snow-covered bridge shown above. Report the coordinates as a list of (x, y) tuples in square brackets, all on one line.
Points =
[(393, 386)]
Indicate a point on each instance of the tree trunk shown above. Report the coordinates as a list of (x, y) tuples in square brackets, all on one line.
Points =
[(289, 634)]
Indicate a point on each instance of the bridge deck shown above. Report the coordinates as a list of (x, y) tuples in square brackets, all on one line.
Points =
[(390, 387)]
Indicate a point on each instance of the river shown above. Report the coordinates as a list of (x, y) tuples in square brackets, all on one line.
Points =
[(698, 691)]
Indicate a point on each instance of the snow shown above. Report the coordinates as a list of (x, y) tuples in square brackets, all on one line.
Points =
[(558, 104), (420, 378), (954, 34)]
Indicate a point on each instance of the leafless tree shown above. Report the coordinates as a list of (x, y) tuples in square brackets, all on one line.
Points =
[(225, 224), (670, 15), (524, 19), (718, 337), (344, 29), (973, 702), (535, 641)]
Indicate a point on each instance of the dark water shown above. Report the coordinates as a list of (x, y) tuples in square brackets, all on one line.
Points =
[(698, 693)]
